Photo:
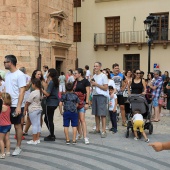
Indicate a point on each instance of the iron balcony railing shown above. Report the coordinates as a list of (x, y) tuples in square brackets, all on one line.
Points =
[(129, 37)]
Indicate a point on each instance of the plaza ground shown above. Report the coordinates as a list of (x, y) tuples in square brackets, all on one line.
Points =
[(111, 153)]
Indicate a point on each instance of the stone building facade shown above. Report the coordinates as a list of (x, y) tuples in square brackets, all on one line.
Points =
[(32, 27)]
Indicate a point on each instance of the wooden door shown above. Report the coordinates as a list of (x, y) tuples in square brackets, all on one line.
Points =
[(112, 30)]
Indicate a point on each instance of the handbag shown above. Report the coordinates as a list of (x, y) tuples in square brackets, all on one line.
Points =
[(125, 93), (81, 97)]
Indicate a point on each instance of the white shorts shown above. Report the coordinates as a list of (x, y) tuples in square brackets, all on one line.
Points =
[(62, 88)]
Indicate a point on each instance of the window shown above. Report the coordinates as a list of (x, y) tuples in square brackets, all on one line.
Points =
[(77, 3), (131, 61), (112, 30), (161, 23), (77, 32)]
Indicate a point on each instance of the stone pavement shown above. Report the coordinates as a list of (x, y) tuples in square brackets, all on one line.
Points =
[(111, 153)]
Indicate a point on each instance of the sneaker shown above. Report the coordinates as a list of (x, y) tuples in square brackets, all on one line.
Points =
[(147, 140), (49, 138), (111, 129), (78, 137), (95, 132), (94, 128), (2, 156), (17, 151), (114, 131), (107, 127), (135, 138), (7, 154), (23, 138), (86, 141), (103, 135), (31, 142), (38, 141), (67, 142), (74, 142)]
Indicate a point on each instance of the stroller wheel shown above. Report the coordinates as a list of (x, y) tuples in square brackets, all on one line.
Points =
[(150, 128), (127, 134), (139, 134)]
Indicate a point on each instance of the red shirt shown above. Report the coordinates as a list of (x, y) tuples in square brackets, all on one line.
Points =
[(5, 117)]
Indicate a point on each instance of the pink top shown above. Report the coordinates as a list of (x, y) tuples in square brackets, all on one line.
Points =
[(5, 117)]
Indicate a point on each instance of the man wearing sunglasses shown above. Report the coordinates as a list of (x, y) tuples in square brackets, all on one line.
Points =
[(15, 82)]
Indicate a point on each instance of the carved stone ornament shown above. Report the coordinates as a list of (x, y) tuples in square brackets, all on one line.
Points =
[(165, 45), (127, 46), (105, 47), (58, 14), (139, 46), (95, 47)]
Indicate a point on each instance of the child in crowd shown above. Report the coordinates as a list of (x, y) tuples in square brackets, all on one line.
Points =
[(5, 124), (70, 102), (34, 109), (138, 122), (112, 109)]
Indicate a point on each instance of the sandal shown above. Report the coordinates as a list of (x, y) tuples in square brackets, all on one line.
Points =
[(124, 124), (154, 120)]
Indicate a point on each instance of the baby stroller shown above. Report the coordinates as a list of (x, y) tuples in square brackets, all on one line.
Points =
[(138, 101)]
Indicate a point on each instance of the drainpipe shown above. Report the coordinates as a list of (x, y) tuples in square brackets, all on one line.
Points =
[(39, 48)]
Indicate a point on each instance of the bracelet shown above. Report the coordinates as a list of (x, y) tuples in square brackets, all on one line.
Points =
[(87, 103)]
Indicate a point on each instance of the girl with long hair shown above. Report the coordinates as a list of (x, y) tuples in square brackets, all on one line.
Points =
[(82, 86), (33, 107), (52, 102)]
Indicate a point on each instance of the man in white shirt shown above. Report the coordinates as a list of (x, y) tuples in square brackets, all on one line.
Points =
[(15, 82), (100, 99), (71, 77), (45, 69), (88, 74)]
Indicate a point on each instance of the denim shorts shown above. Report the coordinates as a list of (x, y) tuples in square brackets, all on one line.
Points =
[(82, 110), (155, 102), (5, 129), (70, 116)]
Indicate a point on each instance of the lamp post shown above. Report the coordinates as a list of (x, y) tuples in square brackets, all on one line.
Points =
[(150, 29)]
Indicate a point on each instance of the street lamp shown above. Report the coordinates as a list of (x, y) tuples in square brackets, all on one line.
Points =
[(150, 29)]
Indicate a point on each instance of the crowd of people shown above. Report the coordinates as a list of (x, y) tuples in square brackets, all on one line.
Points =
[(26, 99)]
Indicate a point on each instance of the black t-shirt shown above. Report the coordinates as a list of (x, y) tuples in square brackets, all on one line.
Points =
[(81, 86), (137, 88)]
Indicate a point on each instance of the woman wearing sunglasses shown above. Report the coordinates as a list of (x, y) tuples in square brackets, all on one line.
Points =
[(137, 84)]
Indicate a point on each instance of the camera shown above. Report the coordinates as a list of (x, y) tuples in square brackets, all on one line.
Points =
[(14, 114)]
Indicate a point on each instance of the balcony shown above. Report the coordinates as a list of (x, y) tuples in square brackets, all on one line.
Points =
[(129, 38)]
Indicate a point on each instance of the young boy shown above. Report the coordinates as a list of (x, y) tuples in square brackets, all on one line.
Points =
[(112, 109), (70, 102), (138, 122)]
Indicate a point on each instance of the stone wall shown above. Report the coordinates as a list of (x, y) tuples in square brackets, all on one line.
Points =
[(19, 32)]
